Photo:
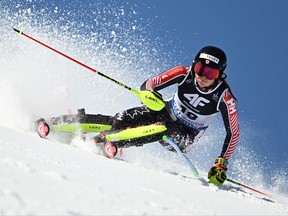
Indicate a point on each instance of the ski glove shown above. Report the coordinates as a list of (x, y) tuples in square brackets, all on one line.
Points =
[(217, 173)]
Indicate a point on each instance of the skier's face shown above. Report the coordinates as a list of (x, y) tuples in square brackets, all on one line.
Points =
[(203, 81), (206, 71)]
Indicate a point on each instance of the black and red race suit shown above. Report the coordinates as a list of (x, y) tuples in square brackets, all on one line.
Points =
[(195, 108), (186, 115)]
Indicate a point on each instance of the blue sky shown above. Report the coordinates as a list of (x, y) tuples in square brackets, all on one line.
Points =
[(253, 34)]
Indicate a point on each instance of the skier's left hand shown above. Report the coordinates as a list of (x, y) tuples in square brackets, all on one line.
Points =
[(217, 173), (157, 94)]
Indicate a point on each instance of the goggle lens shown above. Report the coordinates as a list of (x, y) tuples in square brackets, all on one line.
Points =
[(208, 72)]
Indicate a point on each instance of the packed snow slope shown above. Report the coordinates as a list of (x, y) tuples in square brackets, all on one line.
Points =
[(41, 177)]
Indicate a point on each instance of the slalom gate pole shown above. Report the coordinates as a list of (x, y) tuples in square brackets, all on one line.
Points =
[(245, 186), (147, 97)]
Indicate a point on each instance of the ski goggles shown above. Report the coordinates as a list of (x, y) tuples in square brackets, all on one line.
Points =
[(208, 72)]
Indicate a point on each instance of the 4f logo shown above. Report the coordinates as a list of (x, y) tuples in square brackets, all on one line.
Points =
[(195, 100)]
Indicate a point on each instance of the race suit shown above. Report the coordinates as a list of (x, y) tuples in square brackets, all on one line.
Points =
[(195, 108), (186, 114)]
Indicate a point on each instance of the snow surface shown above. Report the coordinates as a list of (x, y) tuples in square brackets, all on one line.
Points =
[(41, 177)]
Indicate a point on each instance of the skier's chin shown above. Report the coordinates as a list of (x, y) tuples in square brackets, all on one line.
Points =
[(204, 83)]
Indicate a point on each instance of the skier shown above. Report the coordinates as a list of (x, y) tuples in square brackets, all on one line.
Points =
[(202, 93)]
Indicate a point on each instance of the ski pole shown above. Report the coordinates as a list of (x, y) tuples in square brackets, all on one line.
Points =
[(183, 156), (245, 186), (146, 97)]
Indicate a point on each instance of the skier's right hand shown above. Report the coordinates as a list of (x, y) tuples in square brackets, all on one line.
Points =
[(217, 173)]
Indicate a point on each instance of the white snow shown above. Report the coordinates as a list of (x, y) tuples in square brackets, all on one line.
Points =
[(41, 177)]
